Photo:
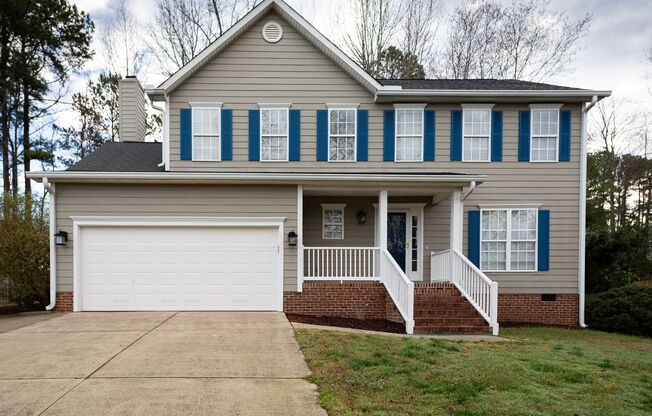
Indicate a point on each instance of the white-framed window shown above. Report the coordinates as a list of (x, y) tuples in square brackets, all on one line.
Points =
[(206, 127), (342, 126), (333, 221), (274, 140), (408, 146), (476, 133), (508, 239), (544, 134)]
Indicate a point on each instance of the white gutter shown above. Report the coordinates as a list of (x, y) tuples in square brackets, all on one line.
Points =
[(581, 278), (492, 93), (53, 249), (253, 176)]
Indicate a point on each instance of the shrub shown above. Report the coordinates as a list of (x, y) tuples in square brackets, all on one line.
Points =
[(24, 250), (627, 310)]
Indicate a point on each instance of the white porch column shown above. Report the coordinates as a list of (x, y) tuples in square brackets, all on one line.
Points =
[(300, 238), (457, 228), (382, 219)]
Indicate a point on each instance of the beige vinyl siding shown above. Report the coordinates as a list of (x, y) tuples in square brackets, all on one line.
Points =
[(132, 118), (173, 200), (355, 235), (252, 71)]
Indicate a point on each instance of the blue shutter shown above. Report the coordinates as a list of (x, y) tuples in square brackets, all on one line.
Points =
[(322, 135), (543, 240), (254, 135), (524, 136), (496, 136), (456, 135), (295, 135), (429, 135), (388, 136), (227, 134), (363, 135), (474, 237), (564, 135), (185, 127)]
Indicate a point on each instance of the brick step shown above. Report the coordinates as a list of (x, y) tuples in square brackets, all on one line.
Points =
[(444, 307), (441, 301), (453, 329), (449, 321), (458, 315)]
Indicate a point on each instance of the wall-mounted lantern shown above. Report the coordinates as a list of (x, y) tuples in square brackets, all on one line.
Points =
[(361, 216), (292, 238), (61, 238)]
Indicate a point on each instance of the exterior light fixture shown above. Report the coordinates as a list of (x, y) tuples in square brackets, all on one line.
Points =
[(61, 238), (292, 238), (361, 216)]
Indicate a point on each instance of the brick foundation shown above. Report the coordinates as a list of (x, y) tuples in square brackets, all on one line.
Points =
[(530, 309), (64, 302), (343, 300)]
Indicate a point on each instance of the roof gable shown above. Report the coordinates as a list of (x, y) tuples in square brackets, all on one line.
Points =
[(292, 18)]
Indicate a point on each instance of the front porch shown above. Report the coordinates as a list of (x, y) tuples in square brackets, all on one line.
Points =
[(410, 241)]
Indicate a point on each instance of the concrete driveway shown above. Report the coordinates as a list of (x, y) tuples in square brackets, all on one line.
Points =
[(151, 363)]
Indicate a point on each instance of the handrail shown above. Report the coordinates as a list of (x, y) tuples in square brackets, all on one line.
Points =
[(440, 266), (340, 263), (476, 287), (399, 287)]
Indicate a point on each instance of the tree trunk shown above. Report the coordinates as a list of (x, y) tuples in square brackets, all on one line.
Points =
[(14, 153), (4, 108), (26, 148)]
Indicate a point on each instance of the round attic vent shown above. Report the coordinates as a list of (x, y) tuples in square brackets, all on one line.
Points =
[(272, 32)]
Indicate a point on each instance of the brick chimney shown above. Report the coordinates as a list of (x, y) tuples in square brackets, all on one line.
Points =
[(132, 110)]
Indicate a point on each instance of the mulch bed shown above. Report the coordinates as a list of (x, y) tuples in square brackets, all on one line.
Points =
[(370, 325)]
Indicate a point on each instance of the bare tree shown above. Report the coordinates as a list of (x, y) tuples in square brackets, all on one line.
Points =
[(526, 40), (181, 29), (375, 26), (419, 25), (122, 45)]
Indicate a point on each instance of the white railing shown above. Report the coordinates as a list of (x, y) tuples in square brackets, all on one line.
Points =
[(476, 287), (399, 287), (340, 263), (440, 264)]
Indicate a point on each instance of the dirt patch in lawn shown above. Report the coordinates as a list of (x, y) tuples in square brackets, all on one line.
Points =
[(370, 324)]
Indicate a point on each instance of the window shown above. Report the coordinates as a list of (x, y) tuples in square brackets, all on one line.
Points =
[(333, 221), (508, 240), (545, 134), (341, 135), (409, 135), (274, 134), (206, 133), (476, 140)]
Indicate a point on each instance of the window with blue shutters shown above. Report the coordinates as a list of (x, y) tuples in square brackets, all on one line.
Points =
[(544, 133), (206, 132), (342, 130), (476, 133), (274, 134)]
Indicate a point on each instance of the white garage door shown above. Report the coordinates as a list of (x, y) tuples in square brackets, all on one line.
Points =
[(176, 268)]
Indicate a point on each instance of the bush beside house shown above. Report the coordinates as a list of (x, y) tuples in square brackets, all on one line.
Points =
[(627, 310)]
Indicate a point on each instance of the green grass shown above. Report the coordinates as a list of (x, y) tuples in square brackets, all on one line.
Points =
[(543, 371)]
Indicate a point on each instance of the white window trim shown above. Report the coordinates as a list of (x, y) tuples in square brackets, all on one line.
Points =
[(210, 106), (262, 108), (355, 133), (487, 107), (331, 207), (545, 107), (508, 239), (342, 106), (418, 107)]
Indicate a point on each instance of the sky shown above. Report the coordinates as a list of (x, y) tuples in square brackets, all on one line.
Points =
[(612, 57)]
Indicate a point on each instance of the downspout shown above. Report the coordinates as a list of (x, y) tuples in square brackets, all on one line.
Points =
[(53, 249), (163, 132), (583, 172)]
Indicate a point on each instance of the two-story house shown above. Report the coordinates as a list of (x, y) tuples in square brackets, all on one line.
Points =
[(288, 179)]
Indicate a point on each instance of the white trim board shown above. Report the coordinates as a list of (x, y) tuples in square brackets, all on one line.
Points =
[(80, 222)]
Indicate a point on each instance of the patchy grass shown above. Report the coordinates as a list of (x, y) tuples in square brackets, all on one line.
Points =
[(543, 371)]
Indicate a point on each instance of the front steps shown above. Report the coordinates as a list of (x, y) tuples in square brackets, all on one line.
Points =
[(441, 308)]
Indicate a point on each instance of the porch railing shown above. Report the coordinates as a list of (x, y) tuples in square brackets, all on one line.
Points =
[(440, 266), (341, 263), (363, 263), (476, 287), (399, 287)]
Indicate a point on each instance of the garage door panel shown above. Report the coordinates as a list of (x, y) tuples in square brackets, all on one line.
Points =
[(147, 268)]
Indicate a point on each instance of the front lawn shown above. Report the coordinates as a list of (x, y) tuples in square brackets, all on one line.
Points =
[(543, 371)]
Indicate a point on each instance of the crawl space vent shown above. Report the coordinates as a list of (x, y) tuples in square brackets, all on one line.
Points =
[(272, 32)]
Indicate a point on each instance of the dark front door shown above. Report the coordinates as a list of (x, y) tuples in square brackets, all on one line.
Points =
[(396, 222)]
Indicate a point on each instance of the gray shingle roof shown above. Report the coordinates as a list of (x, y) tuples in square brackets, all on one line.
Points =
[(471, 84), (122, 157)]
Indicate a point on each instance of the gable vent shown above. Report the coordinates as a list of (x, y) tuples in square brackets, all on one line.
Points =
[(272, 32)]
